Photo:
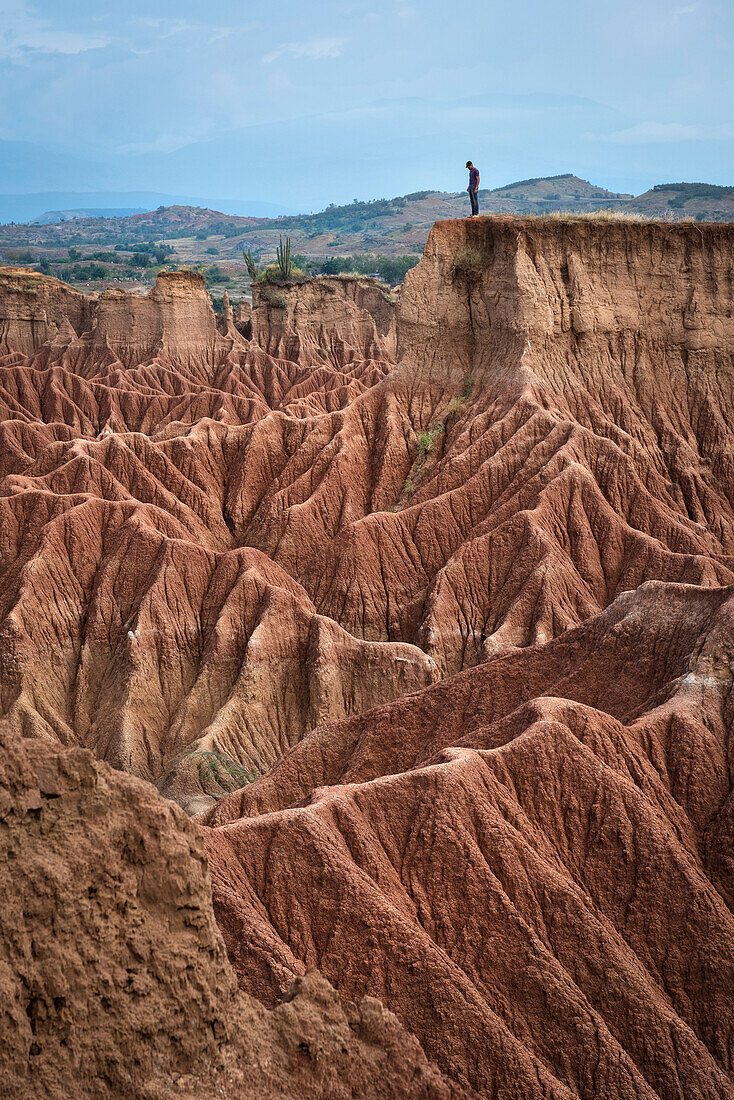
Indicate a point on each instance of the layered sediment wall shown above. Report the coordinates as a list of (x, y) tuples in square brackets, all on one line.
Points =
[(330, 318), (497, 291), (35, 309)]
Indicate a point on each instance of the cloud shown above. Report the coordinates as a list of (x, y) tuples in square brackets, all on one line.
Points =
[(169, 28), (315, 49), (657, 133), (22, 33)]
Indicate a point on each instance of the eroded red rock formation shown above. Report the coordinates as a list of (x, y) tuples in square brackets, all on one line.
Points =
[(113, 976), (464, 606), (529, 862), (137, 616)]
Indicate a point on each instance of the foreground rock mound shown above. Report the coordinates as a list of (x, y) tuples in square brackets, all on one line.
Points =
[(530, 863), (113, 975)]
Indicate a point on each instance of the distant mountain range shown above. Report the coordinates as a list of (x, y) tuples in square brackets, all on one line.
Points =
[(396, 227), (51, 217), (537, 196), (40, 205)]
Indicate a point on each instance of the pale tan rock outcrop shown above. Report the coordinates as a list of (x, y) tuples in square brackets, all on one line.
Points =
[(327, 319), (36, 308), (174, 321)]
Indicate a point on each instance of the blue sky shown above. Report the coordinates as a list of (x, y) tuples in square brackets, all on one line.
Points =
[(305, 103)]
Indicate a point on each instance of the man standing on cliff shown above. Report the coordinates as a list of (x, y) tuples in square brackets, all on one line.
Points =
[(473, 188)]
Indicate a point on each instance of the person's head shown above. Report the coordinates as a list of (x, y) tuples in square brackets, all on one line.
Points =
[(469, 164)]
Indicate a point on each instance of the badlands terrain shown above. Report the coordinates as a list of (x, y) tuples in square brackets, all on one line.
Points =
[(422, 607)]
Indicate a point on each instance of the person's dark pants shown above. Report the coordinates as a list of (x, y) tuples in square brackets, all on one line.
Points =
[(474, 203)]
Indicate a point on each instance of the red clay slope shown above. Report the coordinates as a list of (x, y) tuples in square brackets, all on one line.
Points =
[(113, 976), (137, 617), (529, 863), (210, 549), (557, 431)]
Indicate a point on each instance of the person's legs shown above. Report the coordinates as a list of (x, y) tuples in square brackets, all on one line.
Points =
[(474, 203)]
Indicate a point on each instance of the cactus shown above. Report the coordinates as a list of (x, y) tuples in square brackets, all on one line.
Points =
[(283, 258), (250, 263)]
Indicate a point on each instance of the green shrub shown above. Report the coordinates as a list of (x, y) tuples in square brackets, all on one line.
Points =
[(427, 439)]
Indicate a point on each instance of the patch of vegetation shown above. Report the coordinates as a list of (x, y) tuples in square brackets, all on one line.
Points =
[(389, 269), (457, 402), (24, 255), (271, 296), (159, 252), (216, 276), (468, 263), (88, 273), (426, 442), (428, 438), (686, 191), (219, 768)]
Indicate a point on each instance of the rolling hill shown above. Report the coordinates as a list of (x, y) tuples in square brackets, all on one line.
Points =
[(393, 229)]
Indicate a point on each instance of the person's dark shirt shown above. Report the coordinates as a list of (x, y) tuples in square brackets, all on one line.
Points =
[(473, 178)]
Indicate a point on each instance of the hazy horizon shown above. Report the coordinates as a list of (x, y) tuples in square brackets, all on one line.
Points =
[(327, 102)]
